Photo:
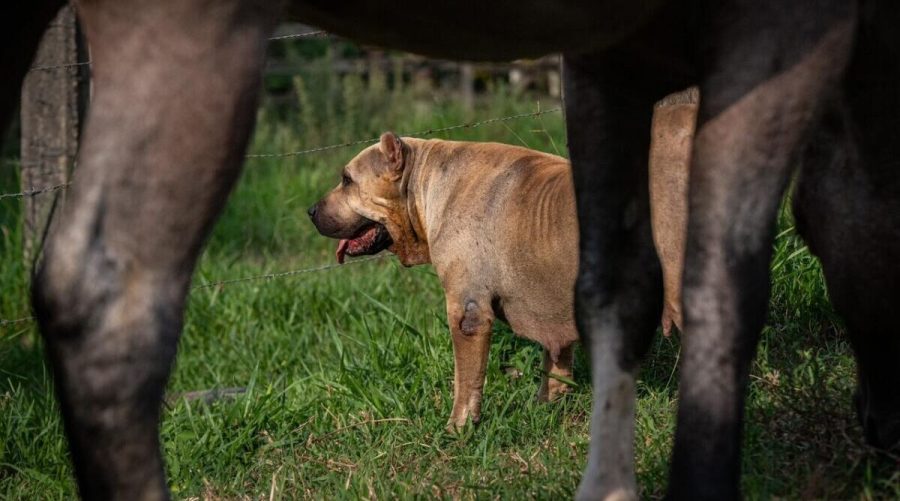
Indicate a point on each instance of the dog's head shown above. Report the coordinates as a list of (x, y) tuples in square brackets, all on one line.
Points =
[(367, 210)]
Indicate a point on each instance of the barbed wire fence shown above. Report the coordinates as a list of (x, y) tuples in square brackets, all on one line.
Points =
[(32, 192)]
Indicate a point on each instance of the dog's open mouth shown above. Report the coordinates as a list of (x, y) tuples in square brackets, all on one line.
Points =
[(372, 239)]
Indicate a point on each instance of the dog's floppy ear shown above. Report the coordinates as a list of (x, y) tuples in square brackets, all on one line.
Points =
[(392, 148)]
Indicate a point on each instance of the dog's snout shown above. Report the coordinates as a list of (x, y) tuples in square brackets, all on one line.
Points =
[(312, 210)]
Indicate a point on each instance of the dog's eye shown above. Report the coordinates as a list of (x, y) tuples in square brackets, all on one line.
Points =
[(346, 181)]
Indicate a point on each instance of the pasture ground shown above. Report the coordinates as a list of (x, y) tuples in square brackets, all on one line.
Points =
[(348, 371)]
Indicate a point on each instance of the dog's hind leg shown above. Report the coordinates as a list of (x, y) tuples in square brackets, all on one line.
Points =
[(555, 367), (618, 292), (770, 66), (175, 91), (848, 209)]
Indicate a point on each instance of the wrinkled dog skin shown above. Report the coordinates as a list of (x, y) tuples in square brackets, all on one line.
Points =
[(174, 95)]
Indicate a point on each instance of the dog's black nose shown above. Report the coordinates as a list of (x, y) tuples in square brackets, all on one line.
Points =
[(312, 211)]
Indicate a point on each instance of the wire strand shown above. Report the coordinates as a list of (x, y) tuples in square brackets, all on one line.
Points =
[(309, 34), (31, 193), (4, 323), (428, 132), (285, 274)]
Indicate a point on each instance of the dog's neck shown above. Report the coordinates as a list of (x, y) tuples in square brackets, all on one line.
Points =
[(414, 249)]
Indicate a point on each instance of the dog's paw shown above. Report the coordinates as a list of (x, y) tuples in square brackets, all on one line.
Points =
[(552, 390), (457, 426), (557, 392)]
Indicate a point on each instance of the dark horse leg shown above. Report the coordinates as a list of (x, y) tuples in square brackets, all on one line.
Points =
[(175, 91), (619, 285), (848, 209), (767, 67)]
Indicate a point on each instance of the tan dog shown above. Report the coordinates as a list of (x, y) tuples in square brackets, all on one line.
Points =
[(498, 223)]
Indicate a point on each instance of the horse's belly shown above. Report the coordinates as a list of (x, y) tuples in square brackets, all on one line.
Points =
[(480, 30)]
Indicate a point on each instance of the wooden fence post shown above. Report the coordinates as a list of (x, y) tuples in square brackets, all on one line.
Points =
[(49, 117)]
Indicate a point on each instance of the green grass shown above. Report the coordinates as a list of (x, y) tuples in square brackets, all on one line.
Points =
[(348, 371)]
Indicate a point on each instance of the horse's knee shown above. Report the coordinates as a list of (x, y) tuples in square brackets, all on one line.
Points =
[(110, 335), (88, 285), (72, 286), (110, 324)]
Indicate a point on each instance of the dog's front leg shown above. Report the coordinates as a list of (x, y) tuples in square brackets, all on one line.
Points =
[(470, 322), (618, 293)]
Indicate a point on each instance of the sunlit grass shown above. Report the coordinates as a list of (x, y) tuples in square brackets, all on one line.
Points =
[(348, 372)]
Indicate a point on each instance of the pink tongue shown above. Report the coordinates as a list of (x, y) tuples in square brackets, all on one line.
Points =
[(342, 250), (355, 246)]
